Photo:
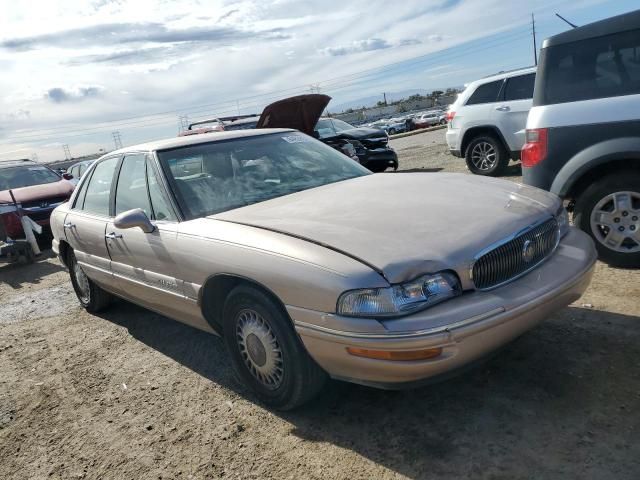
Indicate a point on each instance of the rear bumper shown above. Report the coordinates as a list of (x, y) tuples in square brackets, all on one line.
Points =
[(475, 324), (452, 141)]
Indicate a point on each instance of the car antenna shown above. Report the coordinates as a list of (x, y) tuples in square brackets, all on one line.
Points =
[(565, 20)]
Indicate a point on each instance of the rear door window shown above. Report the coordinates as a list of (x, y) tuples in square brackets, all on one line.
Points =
[(96, 199), (607, 66), (520, 87), (486, 93)]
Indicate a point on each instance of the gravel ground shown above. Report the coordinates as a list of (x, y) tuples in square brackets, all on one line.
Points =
[(129, 394)]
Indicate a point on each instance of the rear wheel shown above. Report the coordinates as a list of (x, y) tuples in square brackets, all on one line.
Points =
[(487, 156), (91, 296), (609, 211), (266, 353)]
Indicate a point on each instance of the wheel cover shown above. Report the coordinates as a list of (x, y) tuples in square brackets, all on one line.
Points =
[(259, 348), (615, 221), (483, 156), (82, 282)]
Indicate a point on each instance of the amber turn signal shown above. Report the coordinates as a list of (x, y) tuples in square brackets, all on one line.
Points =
[(400, 356)]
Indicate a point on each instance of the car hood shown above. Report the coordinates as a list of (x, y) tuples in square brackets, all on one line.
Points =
[(404, 224), (300, 113), (362, 133), (36, 192)]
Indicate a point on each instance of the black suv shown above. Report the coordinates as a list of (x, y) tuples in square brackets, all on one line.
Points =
[(370, 146), (583, 132)]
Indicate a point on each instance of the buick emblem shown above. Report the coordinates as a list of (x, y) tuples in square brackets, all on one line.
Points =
[(528, 251)]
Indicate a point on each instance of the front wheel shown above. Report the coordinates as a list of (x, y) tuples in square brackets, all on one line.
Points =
[(266, 353), (609, 211), (485, 155)]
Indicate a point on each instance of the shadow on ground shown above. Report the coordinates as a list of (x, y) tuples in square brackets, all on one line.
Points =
[(16, 275), (561, 399)]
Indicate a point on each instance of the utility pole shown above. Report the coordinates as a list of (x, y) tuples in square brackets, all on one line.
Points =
[(117, 141), (67, 152), (385, 98), (535, 47)]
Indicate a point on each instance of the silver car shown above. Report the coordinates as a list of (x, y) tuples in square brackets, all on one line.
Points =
[(310, 266)]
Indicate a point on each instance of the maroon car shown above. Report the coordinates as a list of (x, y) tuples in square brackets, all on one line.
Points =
[(37, 188)]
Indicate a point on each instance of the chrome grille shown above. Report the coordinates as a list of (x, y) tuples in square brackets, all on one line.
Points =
[(515, 256)]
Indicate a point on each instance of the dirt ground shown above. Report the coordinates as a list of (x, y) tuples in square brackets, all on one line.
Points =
[(129, 394)]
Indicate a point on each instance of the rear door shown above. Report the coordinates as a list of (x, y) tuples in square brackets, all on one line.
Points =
[(511, 113), (478, 109), (86, 222)]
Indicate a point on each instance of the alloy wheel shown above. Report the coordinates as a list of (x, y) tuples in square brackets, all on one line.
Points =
[(259, 348), (483, 156), (615, 221)]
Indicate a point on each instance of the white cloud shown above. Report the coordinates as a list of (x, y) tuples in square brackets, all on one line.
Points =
[(66, 65)]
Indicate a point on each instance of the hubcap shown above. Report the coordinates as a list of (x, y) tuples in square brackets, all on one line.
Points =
[(82, 282), (259, 348), (615, 222), (483, 156)]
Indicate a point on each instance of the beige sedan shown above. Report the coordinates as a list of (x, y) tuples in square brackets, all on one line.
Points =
[(310, 266)]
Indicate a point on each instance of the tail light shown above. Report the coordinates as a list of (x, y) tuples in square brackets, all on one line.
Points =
[(450, 116), (12, 225), (535, 148)]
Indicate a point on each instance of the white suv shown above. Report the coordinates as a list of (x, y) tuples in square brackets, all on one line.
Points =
[(487, 121)]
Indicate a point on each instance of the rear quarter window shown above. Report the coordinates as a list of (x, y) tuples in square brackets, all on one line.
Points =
[(485, 93), (607, 66)]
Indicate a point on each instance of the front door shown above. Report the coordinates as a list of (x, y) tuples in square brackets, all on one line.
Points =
[(145, 264)]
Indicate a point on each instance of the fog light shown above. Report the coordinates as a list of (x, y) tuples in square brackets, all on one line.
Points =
[(400, 356)]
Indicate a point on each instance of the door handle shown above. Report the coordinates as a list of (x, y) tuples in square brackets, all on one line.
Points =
[(68, 225), (113, 235), (503, 108)]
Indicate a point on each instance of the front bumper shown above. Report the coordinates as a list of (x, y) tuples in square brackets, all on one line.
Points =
[(379, 156), (467, 328)]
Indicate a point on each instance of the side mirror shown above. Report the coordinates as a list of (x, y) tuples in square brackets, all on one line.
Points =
[(67, 176), (134, 218)]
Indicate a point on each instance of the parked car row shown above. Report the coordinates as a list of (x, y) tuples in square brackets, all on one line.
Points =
[(574, 122)]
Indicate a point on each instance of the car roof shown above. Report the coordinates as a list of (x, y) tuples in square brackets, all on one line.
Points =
[(16, 163), (197, 139), (608, 26), (501, 75)]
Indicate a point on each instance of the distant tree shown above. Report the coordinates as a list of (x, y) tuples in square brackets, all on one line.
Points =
[(380, 103), (349, 110), (436, 93)]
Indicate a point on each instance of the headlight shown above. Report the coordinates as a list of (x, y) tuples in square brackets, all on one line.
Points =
[(562, 217), (401, 299)]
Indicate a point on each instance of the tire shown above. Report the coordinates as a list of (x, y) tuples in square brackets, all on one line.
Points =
[(378, 167), (91, 296), (485, 155), (599, 215), (266, 353)]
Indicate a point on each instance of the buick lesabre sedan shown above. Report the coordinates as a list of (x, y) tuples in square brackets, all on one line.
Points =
[(310, 266)]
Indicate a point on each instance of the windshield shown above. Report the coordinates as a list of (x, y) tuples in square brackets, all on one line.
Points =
[(330, 127), (214, 177), (26, 176)]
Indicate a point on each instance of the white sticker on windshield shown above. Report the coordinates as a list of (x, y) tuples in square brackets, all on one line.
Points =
[(296, 139)]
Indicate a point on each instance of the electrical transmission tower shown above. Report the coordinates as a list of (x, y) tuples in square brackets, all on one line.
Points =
[(314, 88), (34, 157), (67, 152), (117, 141), (183, 121)]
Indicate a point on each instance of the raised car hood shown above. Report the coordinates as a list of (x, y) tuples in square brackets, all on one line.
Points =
[(404, 224), (301, 113), (37, 192)]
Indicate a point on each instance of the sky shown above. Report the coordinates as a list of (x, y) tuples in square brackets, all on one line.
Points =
[(75, 71)]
